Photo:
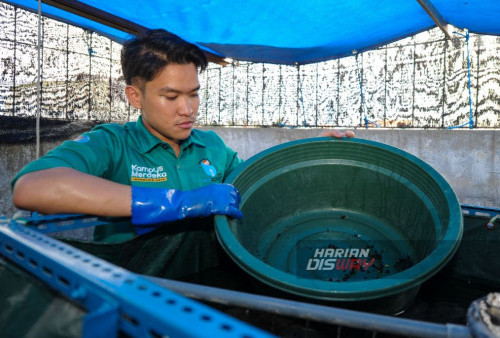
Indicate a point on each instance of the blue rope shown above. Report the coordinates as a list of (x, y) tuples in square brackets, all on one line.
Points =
[(87, 41), (367, 121), (471, 119)]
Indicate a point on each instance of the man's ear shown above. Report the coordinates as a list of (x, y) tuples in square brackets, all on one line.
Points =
[(134, 96)]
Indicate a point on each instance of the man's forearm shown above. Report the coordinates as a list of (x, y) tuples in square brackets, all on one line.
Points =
[(65, 190)]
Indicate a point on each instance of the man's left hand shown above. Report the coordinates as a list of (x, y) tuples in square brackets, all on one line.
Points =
[(337, 133)]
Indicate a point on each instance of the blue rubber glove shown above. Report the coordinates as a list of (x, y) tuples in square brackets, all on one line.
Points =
[(155, 205)]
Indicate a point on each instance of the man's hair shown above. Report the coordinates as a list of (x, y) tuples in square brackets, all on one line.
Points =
[(144, 56)]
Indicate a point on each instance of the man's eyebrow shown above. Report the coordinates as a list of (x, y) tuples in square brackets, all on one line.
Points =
[(173, 90)]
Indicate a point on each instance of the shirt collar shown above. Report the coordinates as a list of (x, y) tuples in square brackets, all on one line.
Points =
[(147, 141), (196, 138)]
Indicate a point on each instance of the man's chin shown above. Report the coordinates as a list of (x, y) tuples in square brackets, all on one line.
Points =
[(182, 136)]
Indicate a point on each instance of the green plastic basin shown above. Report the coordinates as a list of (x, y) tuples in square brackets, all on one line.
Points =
[(341, 220)]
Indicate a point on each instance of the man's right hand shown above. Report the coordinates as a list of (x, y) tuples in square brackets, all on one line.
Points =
[(156, 205)]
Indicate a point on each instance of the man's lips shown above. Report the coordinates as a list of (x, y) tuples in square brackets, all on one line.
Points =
[(185, 124)]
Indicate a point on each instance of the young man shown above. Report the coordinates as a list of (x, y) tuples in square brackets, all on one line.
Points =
[(156, 170)]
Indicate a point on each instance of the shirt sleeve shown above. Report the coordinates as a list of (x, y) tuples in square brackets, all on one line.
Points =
[(88, 153)]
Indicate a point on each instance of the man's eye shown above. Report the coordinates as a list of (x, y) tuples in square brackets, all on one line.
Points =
[(194, 94), (171, 98)]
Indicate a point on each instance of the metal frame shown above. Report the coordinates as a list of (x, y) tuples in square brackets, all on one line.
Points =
[(475, 210), (48, 224), (115, 299), (435, 16)]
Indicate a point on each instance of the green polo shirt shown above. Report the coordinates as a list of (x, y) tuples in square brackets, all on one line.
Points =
[(130, 154)]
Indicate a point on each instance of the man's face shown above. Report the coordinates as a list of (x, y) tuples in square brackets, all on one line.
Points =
[(170, 102)]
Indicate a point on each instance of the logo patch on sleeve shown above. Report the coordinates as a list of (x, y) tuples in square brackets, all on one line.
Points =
[(82, 139)]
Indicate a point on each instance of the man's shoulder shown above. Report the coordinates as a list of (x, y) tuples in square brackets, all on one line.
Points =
[(107, 135), (116, 128)]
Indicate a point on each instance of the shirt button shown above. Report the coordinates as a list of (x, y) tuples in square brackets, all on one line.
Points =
[(179, 167), (165, 146)]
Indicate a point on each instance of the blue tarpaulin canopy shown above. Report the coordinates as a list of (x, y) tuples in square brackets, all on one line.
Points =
[(276, 31)]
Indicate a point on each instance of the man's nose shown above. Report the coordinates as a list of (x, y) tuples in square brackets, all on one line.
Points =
[(185, 107)]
